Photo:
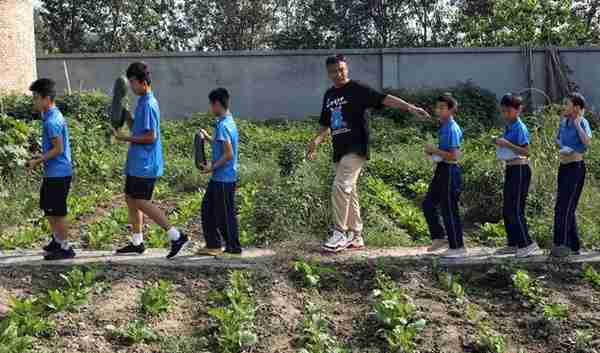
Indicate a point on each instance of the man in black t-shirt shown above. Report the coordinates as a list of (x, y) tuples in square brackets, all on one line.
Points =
[(345, 115)]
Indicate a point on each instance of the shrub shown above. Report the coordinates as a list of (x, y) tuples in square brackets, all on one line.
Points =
[(477, 107), (315, 336), (14, 144)]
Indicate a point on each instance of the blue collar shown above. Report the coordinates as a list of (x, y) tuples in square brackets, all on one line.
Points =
[(448, 122), (49, 113)]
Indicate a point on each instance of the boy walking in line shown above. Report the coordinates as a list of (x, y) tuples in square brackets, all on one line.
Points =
[(58, 169), (144, 164), (219, 212), (574, 137), (513, 148), (344, 116), (445, 187)]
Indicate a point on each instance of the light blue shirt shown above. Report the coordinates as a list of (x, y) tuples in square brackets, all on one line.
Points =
[(450, 136), (225, 131), (568, 136), (55, 126), (517, 133), (145, 160)]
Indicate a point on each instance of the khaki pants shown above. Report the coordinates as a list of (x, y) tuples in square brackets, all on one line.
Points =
[(344, 197)]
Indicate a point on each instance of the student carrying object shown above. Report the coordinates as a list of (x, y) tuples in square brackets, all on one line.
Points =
[(513, 149), (574, 137), (144, 164), (445, 187), (219, 211)]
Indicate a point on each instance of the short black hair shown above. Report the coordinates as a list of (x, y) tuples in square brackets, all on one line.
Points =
[(44, 87), (448, 99), (139, 71), (577, 99), (221, 96), (335, 59), (512, 101)]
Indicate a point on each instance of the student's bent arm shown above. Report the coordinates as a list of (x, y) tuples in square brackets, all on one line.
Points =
[(453, 155), (146, 139), (521, 151), (56, 150), (583, 135), (227, 156)]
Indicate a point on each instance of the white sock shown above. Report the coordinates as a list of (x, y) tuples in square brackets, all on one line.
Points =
[(173, 234), (137, 239)]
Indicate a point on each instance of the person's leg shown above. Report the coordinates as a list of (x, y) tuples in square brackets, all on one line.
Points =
[(450, 207), (524, 239), (355, 223), (431, 204), (564, 200), (510, 198), (341, 194), (579, 173), (209, 225), (56, 212), (136, 219), (230, 228)]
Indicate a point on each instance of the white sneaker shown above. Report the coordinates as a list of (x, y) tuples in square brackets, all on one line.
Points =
[(507, 250), (337, 242), (454, 253), (355, 241), (437, 245), (531, 250)]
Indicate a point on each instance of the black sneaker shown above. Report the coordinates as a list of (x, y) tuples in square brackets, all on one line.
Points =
[(233, 251), (52, 246), (132, 249), (177, 245), (60, 254)]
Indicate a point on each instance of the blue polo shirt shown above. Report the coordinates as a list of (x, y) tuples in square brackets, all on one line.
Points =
[(517, 133), (55, 126), (568, 136), (225, 131), (450, 136), (145, 160)]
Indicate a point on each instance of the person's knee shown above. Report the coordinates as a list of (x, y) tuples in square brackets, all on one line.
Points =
[(344, 187)]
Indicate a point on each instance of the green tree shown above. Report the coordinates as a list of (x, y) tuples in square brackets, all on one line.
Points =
[(516, 22)]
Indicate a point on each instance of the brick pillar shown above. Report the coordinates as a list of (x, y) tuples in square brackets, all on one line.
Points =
[(17, 46)]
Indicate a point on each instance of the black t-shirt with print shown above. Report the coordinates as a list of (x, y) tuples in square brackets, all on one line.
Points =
[(345, 113)]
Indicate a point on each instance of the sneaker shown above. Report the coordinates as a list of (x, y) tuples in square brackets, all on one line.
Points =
[(132, 249), (337, 242), (209, 252), (454, 253), (437, 245), (52, 246), (507, 250), (233, 254), (531, 250), (177, 245), (561, 251), (356, 241), (60, 254)]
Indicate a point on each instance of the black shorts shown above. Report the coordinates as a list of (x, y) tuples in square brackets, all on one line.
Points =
[(139, 188), (53, 196)]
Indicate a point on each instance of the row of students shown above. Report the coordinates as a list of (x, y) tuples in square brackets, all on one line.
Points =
[(144, 166), (344, 116)]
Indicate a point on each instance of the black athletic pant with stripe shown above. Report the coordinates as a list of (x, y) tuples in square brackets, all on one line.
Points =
[(444, 193), (219, 216), (571, 177), (516, 188)]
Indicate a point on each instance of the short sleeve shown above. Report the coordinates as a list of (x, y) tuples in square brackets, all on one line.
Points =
[(54, 129), (222, 134), (372, 98), (454, 137), (586, 127), (325, 119), (522, 136)]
